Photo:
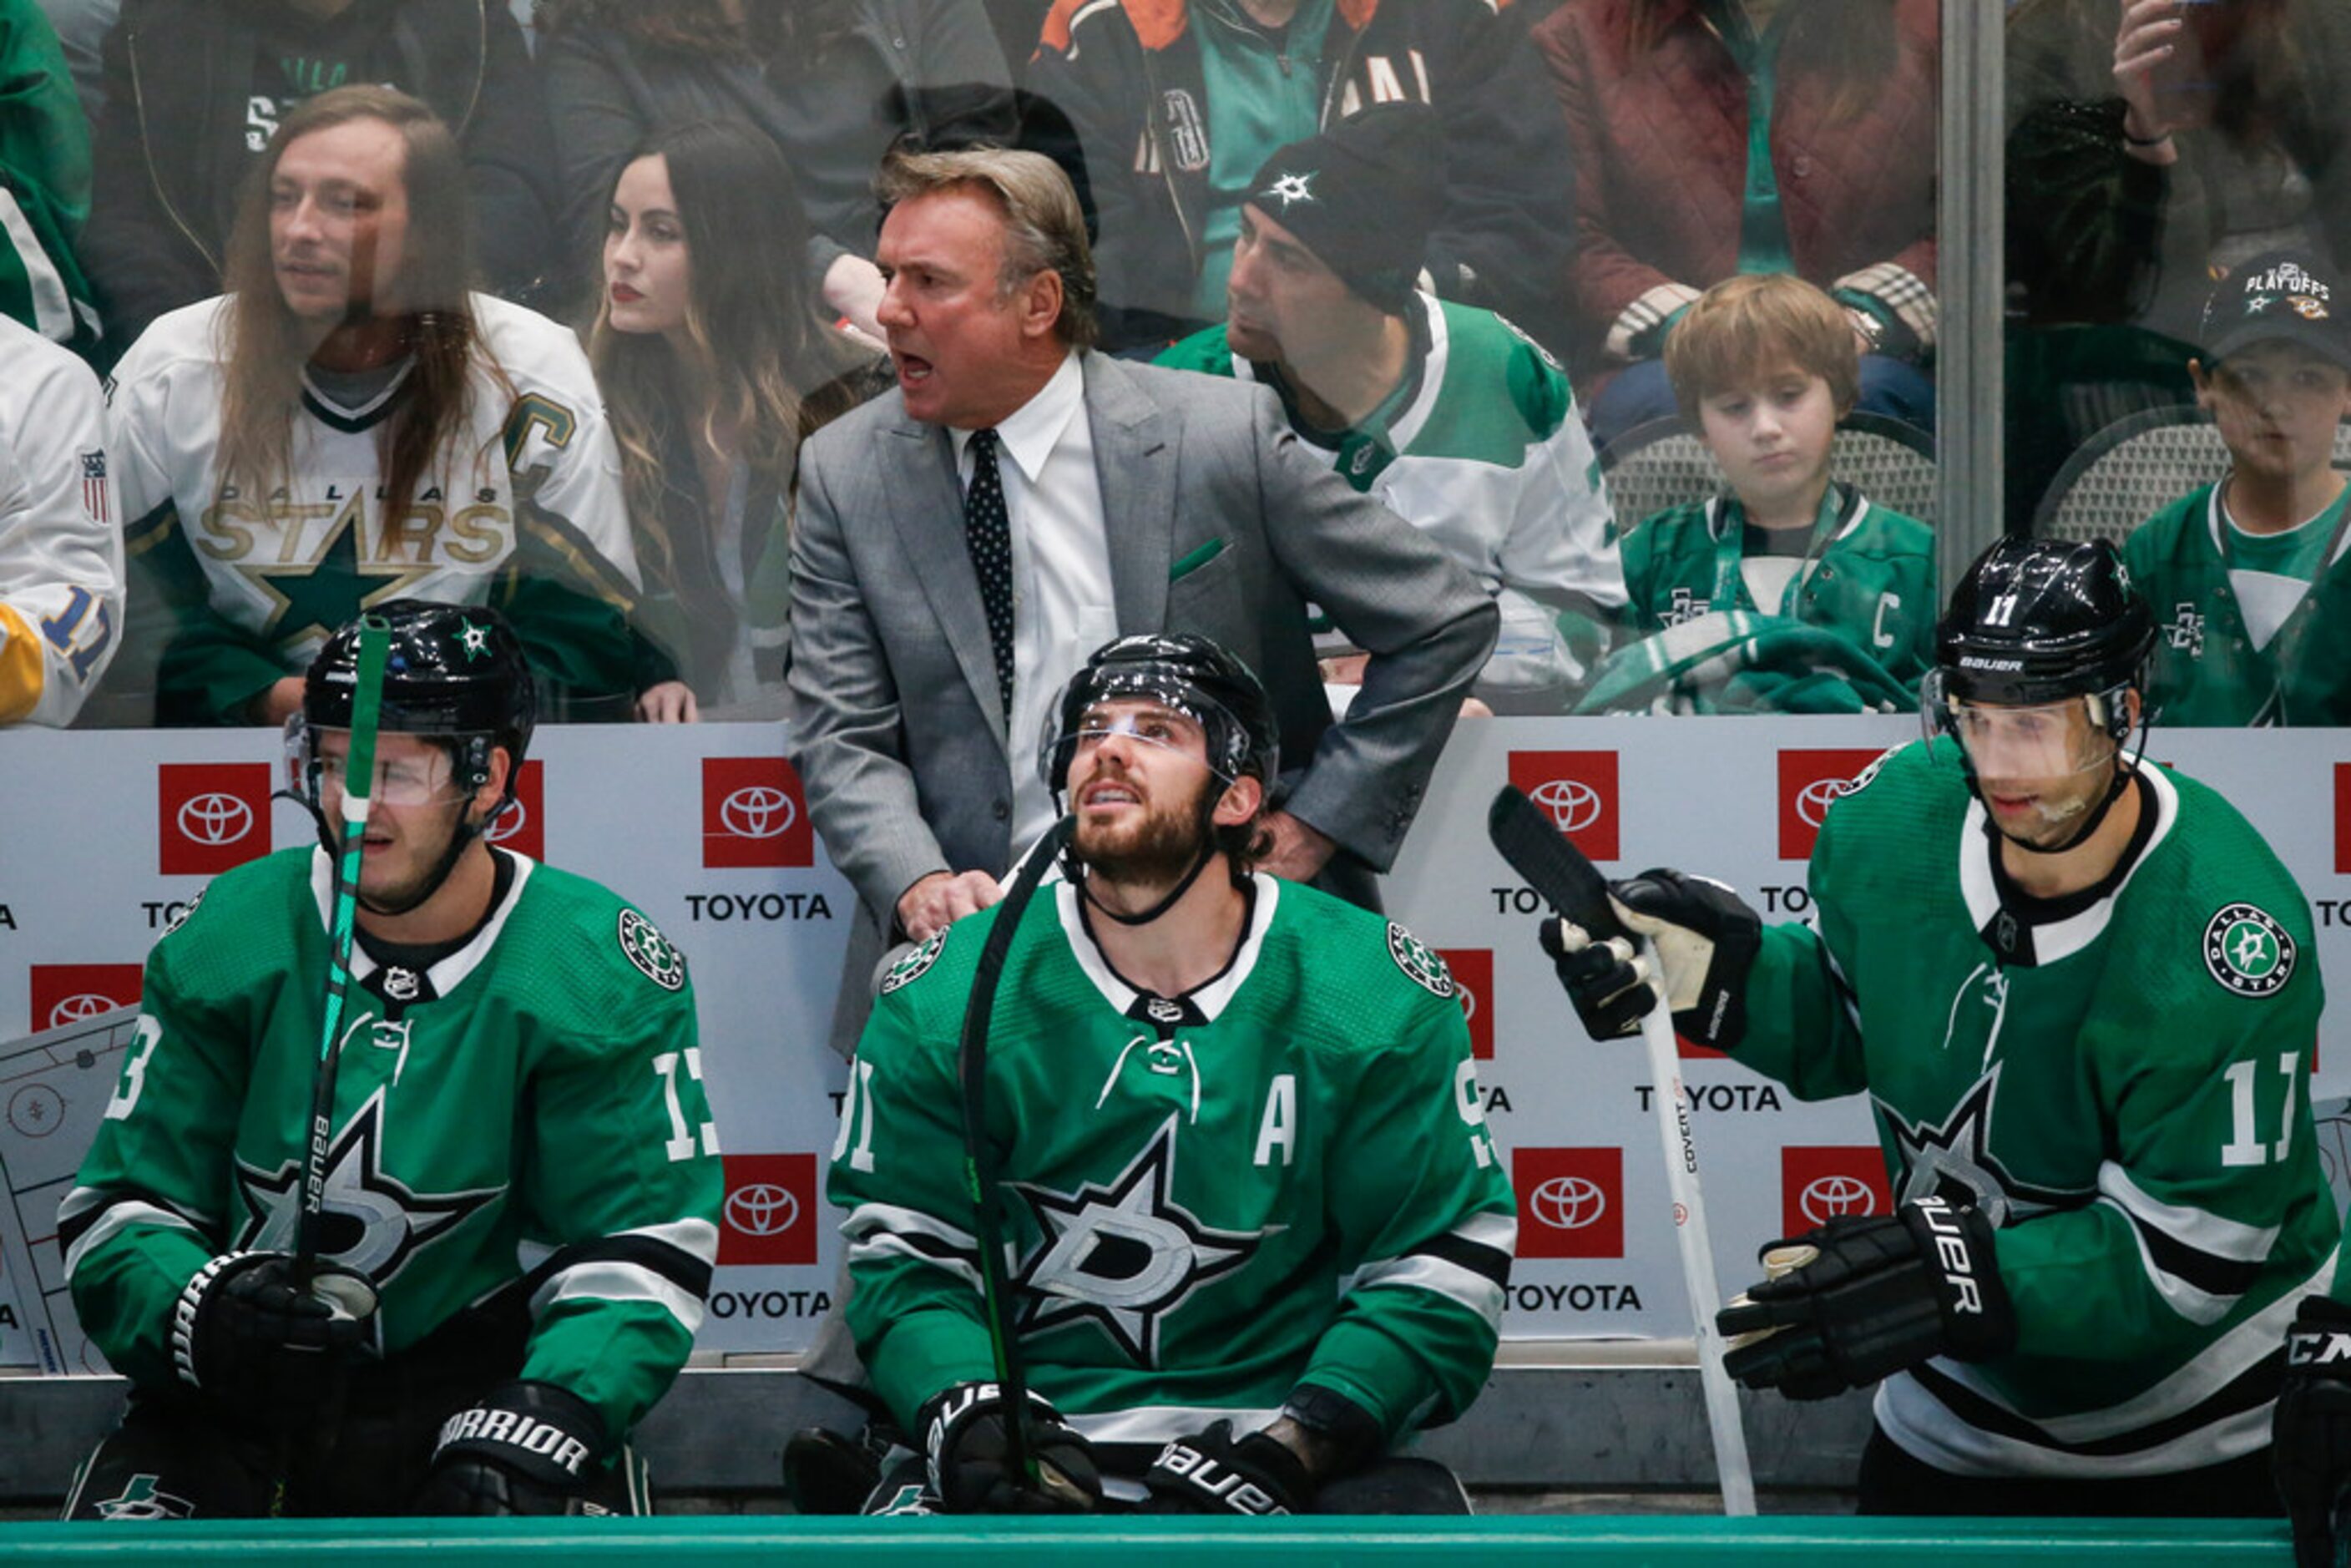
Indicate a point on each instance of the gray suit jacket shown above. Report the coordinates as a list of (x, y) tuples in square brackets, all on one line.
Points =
[(1219, 523)]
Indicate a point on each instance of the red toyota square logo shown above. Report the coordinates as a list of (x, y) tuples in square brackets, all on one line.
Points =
[(213, 815), (769, 1216), (753, 813), (1570, 1202), (520, 827), (1577, 790), (1809, 781), (1820, 1183), (2343, 818), (68, 993), (1473, 979)]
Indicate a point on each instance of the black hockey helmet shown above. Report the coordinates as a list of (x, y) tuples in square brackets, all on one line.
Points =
[(454, 670), (1187, 672), (2039, 620)]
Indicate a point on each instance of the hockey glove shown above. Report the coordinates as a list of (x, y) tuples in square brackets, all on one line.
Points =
[(1210, 1473), (526, 1448), (2311, 1433), (245, 1331), (1861, 1298), (971, 1465), (1706, 940)]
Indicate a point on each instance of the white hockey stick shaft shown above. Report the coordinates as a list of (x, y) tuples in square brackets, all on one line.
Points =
[(1672, 1108)]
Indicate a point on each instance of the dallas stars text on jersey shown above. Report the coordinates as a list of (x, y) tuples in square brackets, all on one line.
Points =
[(526, 1116), (1281, 1178), (2121, 1086)]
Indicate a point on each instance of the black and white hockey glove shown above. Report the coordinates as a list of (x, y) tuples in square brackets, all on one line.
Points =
[(1706, 940), (528, 1449), (245, 1333), (2310, 1435), (1860, 1297), (1210, 1473), (971, 1465)]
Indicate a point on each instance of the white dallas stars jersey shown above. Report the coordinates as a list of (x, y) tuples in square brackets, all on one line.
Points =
[(529, 486), (60, 545)]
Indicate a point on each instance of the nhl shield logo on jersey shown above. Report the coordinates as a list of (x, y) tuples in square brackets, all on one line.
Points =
[(2248, 952), (909, 969), (1420, 962), (652, 952)]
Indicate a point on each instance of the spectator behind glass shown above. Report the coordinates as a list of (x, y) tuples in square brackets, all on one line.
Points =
[(45, 174), (1178, 102), (193, 91), (350, 424), (61, 545), (1713, 138), (713, 366), (831, 82), (2150, 145), (2247, 576), (1788, 592), (1445, 412)]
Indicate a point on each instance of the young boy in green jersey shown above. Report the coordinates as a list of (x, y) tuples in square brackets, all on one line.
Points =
[(2245, 575), (1763, 367)]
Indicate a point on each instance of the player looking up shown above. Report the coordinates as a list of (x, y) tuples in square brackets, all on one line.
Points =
[(2081, 994), (522, 1192), (1261, 1232)]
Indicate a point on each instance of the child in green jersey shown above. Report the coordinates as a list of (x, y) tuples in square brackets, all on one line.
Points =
[(2245, 574), (1763, 367)]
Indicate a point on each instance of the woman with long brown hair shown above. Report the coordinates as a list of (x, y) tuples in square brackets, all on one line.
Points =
[(714, 364)]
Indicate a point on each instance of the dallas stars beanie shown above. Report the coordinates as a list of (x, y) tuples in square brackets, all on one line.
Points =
[(1363, 196)]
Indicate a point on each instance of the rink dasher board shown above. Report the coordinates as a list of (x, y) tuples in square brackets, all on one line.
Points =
[(705, 828)]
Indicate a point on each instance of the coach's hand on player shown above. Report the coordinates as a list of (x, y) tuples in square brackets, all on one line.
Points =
[(1212, 1473), (2310, 1435), (971, 1468), (942, 898), (528, 1449), (1706, 939), (1863, 1297), (250, 1332)]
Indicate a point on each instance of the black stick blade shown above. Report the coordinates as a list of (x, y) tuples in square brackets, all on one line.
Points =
[(1527, 838)]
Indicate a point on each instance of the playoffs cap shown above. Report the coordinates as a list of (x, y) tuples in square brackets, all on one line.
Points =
[(1362, 196), (2290, 295)]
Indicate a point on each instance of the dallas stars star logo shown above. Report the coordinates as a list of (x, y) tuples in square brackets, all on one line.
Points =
[(1954, 1161), (1288, 188), (374, 1224), (1124, 1256), (331, 589), (474, 639)]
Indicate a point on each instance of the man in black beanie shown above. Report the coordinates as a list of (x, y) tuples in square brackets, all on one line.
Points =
[(1447, 413)]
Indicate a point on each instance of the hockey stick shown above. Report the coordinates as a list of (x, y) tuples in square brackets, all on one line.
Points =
[(1572, 885), (979, 1152)]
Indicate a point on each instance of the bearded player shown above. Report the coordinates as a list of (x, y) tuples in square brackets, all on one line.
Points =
[(2080, 995), (1261, 1232), (522, 1189)]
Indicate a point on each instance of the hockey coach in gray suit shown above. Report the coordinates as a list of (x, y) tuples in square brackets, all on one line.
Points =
[(963, 542)]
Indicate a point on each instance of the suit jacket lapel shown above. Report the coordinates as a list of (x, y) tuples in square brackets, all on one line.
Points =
[(925, 501), (1135, 458)]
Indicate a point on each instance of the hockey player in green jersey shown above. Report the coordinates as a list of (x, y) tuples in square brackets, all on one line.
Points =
[(522, 1185), (1261, 1232), (1764, 366), (1447, 413), (2081, 996), (2248, 576)]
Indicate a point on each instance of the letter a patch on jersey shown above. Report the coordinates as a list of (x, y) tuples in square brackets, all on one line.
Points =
[(1421, 962), (909, 969), (2247, 952)]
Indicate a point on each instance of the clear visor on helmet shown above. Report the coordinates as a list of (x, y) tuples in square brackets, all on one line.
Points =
[(1175, 716), (2038, 741), (317, 770)]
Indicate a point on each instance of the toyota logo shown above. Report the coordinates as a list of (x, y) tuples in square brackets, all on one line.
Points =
[(758, 812), (507, 823), (1568, 1202), (762, 1209), (1814, 801), (214, 818), (1831, 1195), (1573, 804), (87, 1005)]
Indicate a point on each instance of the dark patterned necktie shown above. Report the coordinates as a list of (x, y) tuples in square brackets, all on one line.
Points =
[(988, 534)]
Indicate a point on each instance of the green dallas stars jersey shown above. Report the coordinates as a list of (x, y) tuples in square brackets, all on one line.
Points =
[(2123, 1088), (529, 1127), (1282, 1178)]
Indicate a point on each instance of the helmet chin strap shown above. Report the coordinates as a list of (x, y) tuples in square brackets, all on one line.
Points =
[(465, 833), (1078, 872)]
